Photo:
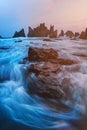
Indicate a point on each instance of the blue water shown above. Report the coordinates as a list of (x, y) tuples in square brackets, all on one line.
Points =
[(18, 109)]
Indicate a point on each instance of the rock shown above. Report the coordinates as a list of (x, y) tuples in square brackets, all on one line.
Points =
[(21, 33), (65, 61), (83, 34), (69, 34), (42, 31), (41, 54), (52, 33), (61, 33), (44, 82)]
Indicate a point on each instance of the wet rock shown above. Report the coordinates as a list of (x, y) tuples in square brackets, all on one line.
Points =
[(44, 82), (41, 54), (69, 34), (21, 33), (65, 61)]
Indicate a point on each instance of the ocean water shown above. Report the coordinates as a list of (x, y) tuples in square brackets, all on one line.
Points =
[(21, 111)]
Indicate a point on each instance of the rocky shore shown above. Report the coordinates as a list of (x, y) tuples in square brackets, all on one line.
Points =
[(42, 73)]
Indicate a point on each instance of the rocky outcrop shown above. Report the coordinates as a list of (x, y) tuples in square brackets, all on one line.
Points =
[(41, 54), (69, 34), (61, 33), (44, 82), (42, 31), (42, 73), (83, 34), (21, 33), (52, 32)]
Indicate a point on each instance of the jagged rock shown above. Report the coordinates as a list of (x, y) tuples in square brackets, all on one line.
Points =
[(42, 31), (21, 33), (52, 33), (41, 54), (69, 34), (83, 34), (44, 81), (61, 33)]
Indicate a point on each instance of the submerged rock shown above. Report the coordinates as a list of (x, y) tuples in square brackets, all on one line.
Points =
[(21, 33)]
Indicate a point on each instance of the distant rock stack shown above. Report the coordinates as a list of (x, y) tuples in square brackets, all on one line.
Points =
[(52, 32), (42, 31), (69, 34), (21, 33), (61, 33), (83, 34)]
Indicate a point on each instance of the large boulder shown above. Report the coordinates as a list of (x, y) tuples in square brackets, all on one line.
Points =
[(21, 33), (43, 80), (41, 54)]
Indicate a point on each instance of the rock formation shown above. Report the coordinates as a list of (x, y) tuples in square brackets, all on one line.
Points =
[(69, 34), (43, 70), (61, 33), (83, 34), (21, 33), (42, 31), (52, 32)]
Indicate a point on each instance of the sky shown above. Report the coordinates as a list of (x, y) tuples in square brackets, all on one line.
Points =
[(64, 14)]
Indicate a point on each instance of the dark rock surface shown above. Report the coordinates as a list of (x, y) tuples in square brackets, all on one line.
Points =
[(43, 70), (44, 82), (21, 33)]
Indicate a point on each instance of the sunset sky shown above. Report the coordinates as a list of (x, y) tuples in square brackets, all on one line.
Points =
[(64, 14)]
